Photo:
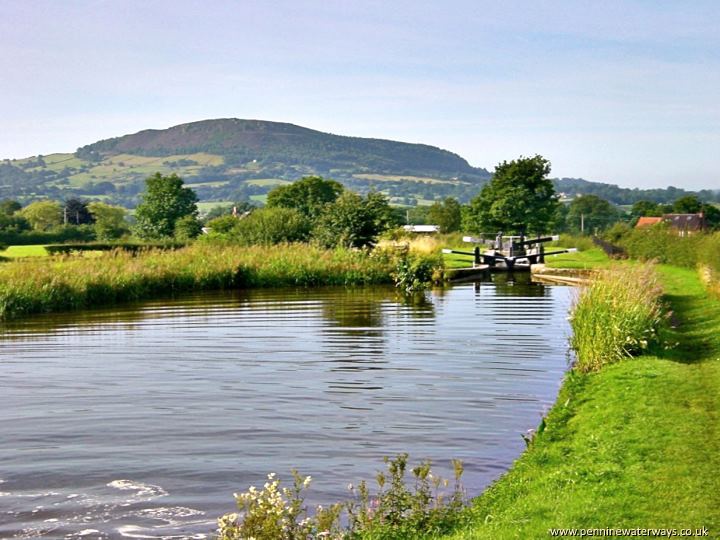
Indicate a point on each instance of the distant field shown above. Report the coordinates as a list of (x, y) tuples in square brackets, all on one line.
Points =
[(122, 168), (208, 184), (259, 198), (425, 202), (398, 178), (206, 206), (268, 182)]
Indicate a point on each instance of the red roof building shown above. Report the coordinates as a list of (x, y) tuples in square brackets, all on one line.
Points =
[(647, 221)]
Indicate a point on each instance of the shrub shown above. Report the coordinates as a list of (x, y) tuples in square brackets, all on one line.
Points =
[(414, 272), (222, 224), (616, 316), (187, 228), (268, 226), (396, 511)]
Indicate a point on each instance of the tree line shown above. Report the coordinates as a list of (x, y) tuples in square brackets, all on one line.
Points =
[(520, 198)]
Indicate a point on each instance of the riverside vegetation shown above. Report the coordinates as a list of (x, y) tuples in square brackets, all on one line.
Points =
[(66, 282), (394, 511)]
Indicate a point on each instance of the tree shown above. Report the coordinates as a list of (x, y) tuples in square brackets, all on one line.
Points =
[(646, 209), (446, 214), (519, 198), (590, 213), (187, 228), (417, 215), (222, 224), (164, 202), (271, 226), (43, 215), (76, 212), (354, 221), (109, 221), (309, 195), (712, 216), (8, 207), (688, 204)]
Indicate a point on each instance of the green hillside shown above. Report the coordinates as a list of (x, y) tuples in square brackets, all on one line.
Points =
[(231, 159)]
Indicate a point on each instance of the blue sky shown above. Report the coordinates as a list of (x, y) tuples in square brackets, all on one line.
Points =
[(621, 92)]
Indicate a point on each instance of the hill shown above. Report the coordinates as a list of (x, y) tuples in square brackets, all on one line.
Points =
[(232, 159), (573, 187)]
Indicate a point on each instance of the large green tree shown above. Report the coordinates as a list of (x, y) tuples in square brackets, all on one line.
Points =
[(309, 195), (9, 206), (590, 213), (354, 221), (109, 221), (688, 204), (646, 208), (165, 201), (519, 197), (446, 214), (43, 215)]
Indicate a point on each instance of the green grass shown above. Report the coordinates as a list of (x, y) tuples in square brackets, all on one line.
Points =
[(17, 252), (634, 445), (591, 258)]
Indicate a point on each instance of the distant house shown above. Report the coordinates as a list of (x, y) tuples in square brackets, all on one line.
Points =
[(684, 224), (422, 229)]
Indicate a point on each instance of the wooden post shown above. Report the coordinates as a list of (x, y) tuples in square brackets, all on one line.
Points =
[(476, 254)]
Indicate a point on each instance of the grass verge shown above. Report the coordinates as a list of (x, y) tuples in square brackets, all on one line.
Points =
[(634, 445), (616, 316)]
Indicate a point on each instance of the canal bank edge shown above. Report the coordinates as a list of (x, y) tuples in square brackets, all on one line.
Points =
[(635, 445)]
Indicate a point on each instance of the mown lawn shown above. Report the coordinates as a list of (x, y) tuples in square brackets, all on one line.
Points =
[(635, 445), (16, 252), (590, 258)]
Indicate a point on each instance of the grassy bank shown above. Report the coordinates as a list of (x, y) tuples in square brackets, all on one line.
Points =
[(633, 445), (62, 283)]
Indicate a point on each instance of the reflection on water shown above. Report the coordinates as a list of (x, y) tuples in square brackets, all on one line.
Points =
[(142, 420)]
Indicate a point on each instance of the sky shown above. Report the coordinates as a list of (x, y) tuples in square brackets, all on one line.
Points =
[(620, 92)]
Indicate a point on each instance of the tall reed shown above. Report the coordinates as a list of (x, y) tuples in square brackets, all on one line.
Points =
[(62, 283), (616, 316)]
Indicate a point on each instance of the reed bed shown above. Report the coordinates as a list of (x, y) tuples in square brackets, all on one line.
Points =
[(616, 316), (65, 283)]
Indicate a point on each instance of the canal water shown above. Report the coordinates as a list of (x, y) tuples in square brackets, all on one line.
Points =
[(141, 421)]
